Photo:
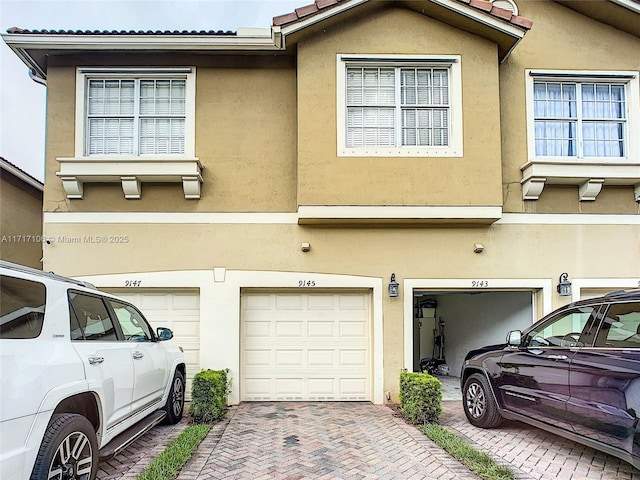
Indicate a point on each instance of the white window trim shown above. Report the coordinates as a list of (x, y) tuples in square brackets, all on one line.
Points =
[(455, 110), (83, 74), (589, 173), (131, 170)]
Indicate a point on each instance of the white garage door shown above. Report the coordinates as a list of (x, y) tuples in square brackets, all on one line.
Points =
[(178, 310), (305, 346)]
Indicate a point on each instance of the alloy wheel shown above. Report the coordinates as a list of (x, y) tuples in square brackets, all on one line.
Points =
[(476, 401), (73, 459)]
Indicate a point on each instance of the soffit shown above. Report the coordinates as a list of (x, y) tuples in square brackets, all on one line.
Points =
[(621, 14)]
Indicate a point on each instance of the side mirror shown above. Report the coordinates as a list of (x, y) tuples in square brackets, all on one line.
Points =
[(164, 333), (514, 338)]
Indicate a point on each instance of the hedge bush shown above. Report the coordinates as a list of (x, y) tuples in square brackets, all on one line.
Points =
[(209, 392), (420, 397)]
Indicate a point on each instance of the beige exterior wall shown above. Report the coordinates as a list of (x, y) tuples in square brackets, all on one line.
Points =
[(245, 139), (20, 222), (560, 39), (267, 140), (326, 179)]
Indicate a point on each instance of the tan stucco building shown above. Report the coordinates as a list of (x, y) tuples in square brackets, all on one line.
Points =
[(257, 191), (20, 216)]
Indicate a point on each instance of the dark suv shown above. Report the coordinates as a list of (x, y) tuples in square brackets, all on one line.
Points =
[(575, 373)]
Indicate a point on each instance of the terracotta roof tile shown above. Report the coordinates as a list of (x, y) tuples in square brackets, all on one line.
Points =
[(119, 32), (325, 3), (482, 5), (308, 10)]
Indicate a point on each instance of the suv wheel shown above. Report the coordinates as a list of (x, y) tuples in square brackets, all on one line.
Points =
[(69, 450), (478, 403), (175, 402)]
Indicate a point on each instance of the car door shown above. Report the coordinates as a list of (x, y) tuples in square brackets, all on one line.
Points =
[(149, 358), (107, 360), (534, 378), (605, 380)]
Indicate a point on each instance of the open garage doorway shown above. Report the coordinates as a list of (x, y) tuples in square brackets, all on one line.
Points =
[(446, 325)]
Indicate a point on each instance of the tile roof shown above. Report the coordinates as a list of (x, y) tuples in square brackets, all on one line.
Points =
[(481, 5), (121, 32)]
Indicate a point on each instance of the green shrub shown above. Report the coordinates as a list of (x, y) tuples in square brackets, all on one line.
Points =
[(420, 397), (209, 396)]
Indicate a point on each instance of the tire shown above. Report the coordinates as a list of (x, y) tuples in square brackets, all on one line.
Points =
[(479, 404), (175, 403), (69, 450)]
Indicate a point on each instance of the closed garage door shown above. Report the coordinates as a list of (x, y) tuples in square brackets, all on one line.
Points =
[(305, 346), (178, 310)]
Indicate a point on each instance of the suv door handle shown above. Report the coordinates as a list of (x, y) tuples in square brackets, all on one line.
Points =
[(95, 360), (138, 355), (557, 357)]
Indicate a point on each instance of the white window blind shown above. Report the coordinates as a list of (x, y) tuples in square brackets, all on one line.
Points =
[(397, 106), (136, 116), (580, 119)]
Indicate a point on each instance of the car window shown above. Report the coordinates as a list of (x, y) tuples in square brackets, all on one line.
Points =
[(90, 319), (133, 325), (562, 330), (22, 305), (621, 327)]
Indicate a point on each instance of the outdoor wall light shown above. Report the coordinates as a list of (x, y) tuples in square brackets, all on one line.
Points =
[(305, 247), (564, 285), (478, 248), (393, 286)]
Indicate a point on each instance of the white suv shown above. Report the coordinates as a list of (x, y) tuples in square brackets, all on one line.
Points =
[(82, 376)]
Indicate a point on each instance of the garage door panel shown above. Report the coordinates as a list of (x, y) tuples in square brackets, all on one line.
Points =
[(291, 358), (257, 302), (321, 302), (321, 329), (289, 329), (288, 302), (321, 358), (353, 329), (257, 358), (316, 347), (257, 329), (353, 302), (355, 387)]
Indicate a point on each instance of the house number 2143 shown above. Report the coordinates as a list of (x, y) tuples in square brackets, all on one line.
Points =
[(306, 283)]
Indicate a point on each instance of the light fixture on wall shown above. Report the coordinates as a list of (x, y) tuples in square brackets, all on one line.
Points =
[(393, 286), (564, 285)]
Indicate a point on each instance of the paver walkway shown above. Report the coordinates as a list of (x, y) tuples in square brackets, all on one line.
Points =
[(323, 440), (536, 454)]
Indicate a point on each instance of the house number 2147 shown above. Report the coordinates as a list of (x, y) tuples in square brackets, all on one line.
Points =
[(306, 283)]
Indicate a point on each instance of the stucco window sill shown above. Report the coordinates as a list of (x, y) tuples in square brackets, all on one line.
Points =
[(590, 176), (131, 172)]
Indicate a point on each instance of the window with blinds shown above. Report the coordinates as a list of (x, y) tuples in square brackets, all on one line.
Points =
[(136, 116), (397, 106), (580, 119)]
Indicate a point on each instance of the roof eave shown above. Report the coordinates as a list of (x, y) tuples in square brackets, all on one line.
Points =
[(23, 44), (512, 33)]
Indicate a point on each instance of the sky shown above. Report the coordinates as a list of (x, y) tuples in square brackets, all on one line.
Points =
[(23, 101)]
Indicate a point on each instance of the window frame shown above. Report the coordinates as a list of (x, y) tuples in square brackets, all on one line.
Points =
[(85, 74), (451, 62), (578, 77)]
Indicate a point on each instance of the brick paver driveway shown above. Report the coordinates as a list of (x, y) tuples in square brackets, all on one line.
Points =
[(328, 440)]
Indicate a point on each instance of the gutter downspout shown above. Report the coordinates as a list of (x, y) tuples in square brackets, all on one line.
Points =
[(33, 76)]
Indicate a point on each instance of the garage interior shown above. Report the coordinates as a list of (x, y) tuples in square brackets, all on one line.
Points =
[(449, 324)]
